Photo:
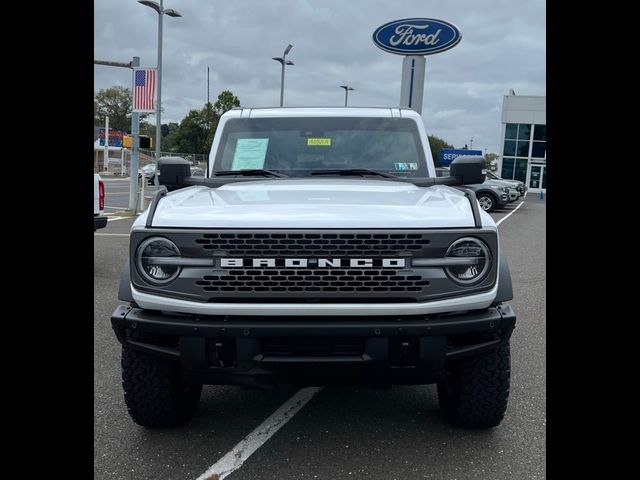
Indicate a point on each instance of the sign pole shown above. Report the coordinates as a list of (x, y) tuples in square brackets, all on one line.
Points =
[(412, 86), (414, 38), (106, 143)]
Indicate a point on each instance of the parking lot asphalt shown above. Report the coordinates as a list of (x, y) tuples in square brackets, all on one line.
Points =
[(349, 432), (116, 193)]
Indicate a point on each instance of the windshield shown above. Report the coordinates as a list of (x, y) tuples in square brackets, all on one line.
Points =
[(299, 146)]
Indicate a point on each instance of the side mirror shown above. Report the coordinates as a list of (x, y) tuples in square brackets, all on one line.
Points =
[(468, 168), (172, 170)]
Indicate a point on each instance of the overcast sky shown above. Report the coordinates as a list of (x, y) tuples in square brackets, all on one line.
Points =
[(502, 47)]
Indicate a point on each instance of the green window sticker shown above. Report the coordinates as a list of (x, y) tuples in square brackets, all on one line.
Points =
[(319, 142), (405, 166), (250, 153)]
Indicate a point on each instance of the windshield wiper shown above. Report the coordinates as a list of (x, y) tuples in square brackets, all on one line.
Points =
[(352, 171), (250, 173)]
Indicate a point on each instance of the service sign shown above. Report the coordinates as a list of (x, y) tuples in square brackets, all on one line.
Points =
[(447, 155), (416, 36)]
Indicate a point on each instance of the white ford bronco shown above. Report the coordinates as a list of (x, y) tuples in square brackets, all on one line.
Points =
[(320, 249)]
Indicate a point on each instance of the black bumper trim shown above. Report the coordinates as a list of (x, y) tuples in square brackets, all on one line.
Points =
[(99, 221), (411, 350), (498, 317)]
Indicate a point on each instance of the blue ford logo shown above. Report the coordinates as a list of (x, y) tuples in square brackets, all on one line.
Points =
[(416, 36)]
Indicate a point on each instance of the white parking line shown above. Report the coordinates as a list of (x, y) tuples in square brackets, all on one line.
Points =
[(111, 234), (234, 459), (509, 214)]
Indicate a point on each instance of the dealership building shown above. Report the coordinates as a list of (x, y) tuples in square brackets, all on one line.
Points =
[(523, 140)]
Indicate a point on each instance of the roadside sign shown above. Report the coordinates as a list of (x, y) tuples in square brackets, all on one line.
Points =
[(416, 36), (448, 154), (115, 137)]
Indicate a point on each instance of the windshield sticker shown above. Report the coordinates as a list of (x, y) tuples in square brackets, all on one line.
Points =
[(250, 153), (320, 142), (405, 166)]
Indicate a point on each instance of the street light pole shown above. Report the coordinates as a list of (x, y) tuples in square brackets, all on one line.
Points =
[(346, 93), (283, 61), (282, 84), (159, 8), (159, 97), (471, 144)]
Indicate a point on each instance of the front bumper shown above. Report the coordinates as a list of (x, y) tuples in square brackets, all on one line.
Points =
[(252, 351), (503, 200), (99, 221)]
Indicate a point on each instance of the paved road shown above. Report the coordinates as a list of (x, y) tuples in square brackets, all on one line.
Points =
[(354, 433)]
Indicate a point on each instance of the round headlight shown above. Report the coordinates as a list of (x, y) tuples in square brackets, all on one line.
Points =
[(479, 260), (150, 260)]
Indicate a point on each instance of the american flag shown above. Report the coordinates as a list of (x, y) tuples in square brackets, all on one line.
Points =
[(144, 93)]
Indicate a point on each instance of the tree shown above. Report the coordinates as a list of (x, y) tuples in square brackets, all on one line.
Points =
[(226, 101), (437, 144), (196, 131), (488, 158), (116, 102)]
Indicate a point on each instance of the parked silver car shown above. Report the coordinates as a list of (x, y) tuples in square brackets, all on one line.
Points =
[(516, 184), (490, 194), (149, 172)]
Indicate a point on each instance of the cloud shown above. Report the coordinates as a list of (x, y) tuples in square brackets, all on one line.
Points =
[(502, 47)]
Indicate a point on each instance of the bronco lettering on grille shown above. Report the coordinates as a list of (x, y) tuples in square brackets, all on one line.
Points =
[(313, 262)]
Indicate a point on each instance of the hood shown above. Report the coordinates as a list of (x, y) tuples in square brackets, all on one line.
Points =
[(314, 203)]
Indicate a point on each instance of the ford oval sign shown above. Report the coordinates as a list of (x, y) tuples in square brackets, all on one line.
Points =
[(416, 36)]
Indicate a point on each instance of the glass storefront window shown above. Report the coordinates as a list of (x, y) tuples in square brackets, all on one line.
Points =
[(507, 168), (509, 148), (540, 132), (522, 149), (511, 131), (539, 149), (524, 131), (520, 170)]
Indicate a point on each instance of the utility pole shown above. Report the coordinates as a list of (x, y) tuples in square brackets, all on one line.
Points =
[(135, 137), (135, 123), (207, 85)]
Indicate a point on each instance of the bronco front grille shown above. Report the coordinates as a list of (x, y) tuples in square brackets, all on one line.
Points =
[(314, 244), (344, 280), (313, 281)]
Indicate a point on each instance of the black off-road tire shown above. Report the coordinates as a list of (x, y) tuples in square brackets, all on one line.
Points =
[(155, 391), (475, 392)]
